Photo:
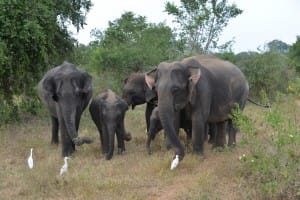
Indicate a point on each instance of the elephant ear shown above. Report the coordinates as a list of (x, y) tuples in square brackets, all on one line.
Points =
[(194, 77), (52, 87), (150, 78), (150, 94), (84, 85), (123, 104)]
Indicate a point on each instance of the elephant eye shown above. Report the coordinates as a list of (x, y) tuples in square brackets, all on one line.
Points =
[(175, 89)]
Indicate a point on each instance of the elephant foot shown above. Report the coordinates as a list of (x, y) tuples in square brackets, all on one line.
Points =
[(108, 157), (218, 148), (54, 142), (232, 145), (68, 152), (81, 140), (127, 137), (121, 150), (198, 153)]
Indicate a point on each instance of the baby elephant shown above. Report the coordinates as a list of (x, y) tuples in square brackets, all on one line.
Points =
[(108, 112)]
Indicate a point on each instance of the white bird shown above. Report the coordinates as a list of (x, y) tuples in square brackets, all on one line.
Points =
[(30, 159), (64, 168), (175, 162)]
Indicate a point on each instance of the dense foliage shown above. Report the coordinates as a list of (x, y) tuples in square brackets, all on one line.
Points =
[(33, 36), (130, 43), (201, 22)]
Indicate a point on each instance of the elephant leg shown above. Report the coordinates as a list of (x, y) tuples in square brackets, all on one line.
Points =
[(55, 125), (188, 138), (104, 140), (155, 127), (220, 136), (149, 109), (120, 139), (212, 132), (232, 130), (198, 132)]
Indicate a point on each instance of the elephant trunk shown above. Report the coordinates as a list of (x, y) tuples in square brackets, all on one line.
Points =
[(111, 141), (167, 117), (69, 120)]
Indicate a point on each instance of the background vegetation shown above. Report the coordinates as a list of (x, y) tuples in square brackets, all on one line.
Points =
[(34, 37)]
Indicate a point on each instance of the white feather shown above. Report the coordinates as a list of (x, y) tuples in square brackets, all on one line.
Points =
[(30, 159), (175, 162), (64, 168)]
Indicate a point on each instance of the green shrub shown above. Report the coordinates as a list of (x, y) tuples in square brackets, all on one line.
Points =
[(272, 165)]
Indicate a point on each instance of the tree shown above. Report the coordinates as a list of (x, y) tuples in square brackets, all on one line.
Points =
[(294, 54), (278, 46), (201, 22), (267, 72), (33, 36), (131, 43)]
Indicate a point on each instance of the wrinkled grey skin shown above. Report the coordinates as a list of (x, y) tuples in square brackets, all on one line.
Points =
[(66, 91), (211, 86), (136, 92), (108, 111), (181, 121)]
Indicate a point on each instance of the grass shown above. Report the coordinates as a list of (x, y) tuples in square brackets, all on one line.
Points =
[(137, 175)]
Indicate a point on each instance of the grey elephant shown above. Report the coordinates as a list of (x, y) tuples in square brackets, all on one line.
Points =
[(211, 86), (181, 121), (136, 92), (66, 91), (108, 111)]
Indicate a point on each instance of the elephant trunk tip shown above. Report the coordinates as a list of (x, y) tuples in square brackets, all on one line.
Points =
[(82, 140)]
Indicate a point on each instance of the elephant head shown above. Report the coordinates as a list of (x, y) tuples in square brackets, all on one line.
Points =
[(108, 111), (66, 91), (175, 84), (135, 90)]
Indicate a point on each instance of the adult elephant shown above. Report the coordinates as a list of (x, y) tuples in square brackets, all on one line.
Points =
[(66, 91), (211, 86), (136, 92)]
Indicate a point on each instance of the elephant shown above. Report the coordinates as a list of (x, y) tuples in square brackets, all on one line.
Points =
[(66, 91), (211, 86), (136, 92), (181, 121), (108, 111)]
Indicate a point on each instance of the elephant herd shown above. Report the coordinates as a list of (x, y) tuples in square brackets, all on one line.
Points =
[(196, 94)]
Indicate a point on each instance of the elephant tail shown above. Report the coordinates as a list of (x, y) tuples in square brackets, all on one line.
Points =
[(258, 104)]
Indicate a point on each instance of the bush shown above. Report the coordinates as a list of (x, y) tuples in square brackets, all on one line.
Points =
[(272, 165)]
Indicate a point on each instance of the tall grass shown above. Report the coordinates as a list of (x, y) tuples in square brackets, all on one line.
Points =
[(272, 163)]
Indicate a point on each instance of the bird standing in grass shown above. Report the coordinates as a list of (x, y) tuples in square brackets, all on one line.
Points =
[(64, 168), (175, 162), (30, 159)]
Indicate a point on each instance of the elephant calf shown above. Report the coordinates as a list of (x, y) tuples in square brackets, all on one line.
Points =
[(155, 126), (108, 111)]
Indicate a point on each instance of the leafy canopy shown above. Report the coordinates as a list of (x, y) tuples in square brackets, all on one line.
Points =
[(130, 43), (200, 22), (33, 36)]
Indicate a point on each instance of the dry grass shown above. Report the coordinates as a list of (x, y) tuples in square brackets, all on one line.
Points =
[(133, 175)]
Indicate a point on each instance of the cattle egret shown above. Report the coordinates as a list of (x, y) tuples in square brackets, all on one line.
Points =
[(30, 160), (175, 162), (64, 168)]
